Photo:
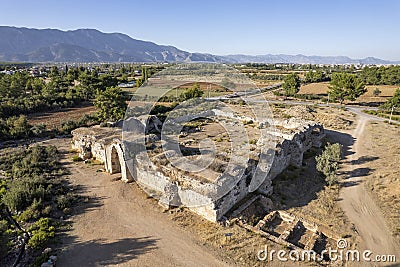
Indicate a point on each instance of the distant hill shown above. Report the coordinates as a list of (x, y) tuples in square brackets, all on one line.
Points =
[(86, 45), (302, 59), (89, 45)]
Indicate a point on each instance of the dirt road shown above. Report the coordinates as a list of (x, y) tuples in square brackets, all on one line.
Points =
[(360, 207), (120, 226)]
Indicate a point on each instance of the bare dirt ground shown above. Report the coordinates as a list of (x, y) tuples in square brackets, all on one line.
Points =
[(357, 203), (120, 226), (382, 170)]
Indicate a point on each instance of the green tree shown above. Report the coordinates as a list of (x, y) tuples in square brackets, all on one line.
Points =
[(291, 84), (18, 126), (111, 103), (394, 101), (192, 92), (314, 76), (346, 86), (328, 162)]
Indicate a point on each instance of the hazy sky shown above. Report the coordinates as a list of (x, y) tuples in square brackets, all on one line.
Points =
[(353, 28)]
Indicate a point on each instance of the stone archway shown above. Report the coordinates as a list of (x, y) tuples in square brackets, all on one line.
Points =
[(115, 162)]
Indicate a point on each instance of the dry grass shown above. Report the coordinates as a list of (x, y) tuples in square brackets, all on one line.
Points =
[(322, 88), (241, 249), (381, 140), (314, 88), (386, 92)]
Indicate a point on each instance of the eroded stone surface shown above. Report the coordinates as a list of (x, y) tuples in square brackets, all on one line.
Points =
[(293, 137)]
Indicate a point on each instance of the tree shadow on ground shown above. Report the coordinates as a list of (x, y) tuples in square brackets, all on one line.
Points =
[(359, 172), (363, 159), (99, 252)]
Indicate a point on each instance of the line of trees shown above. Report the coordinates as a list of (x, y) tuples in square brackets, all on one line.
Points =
[(384, 75), (22, 94)]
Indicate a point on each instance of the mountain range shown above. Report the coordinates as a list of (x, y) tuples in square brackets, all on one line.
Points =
[(90, 45)]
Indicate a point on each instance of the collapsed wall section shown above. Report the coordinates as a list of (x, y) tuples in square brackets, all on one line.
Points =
[(295, 137)]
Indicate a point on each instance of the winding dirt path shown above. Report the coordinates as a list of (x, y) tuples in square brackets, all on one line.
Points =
[(361, 208), (120, 226)]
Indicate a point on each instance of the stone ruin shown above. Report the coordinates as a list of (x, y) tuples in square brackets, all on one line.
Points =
[(286, 229), (174, 187)]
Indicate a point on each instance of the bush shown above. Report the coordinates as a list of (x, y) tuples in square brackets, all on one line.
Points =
[(32, 212), (63, 202), (68, 126), (41, 259), (22, 193), (38, 129), (18, 127), (76, 158), (328, 162), (42, 232), (4, 238)]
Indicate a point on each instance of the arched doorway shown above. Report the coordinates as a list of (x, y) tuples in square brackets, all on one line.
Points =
[(115, 162)]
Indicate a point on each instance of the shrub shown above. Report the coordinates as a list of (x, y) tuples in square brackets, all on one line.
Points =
[(76, 158), (253, 142), (38, 129), (32, 212), (63, 202), (42, 232), (22, 193), (376, 92), (18, 127), (68, 126), (3, 238), (41, 259), (328, 162)]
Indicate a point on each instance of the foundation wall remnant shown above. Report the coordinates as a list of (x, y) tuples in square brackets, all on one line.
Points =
[(295, 136)]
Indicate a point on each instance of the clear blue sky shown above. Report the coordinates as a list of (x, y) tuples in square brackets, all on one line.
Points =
[(353, 28)]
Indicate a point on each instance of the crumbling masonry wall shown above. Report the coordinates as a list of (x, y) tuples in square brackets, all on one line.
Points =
[(105, 145)]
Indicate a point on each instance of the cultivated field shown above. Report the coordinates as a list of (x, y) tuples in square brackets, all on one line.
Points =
[(53, 119), (322, 89), (314, 88), (386, 92)]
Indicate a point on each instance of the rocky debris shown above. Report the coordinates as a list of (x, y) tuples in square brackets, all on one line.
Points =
[(332, 120), (300, 112), (329, 119)]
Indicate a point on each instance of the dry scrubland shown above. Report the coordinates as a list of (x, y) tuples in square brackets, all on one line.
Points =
[(382, 145)]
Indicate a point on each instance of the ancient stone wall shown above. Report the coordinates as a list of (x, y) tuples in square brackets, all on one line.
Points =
[(294, 138)]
